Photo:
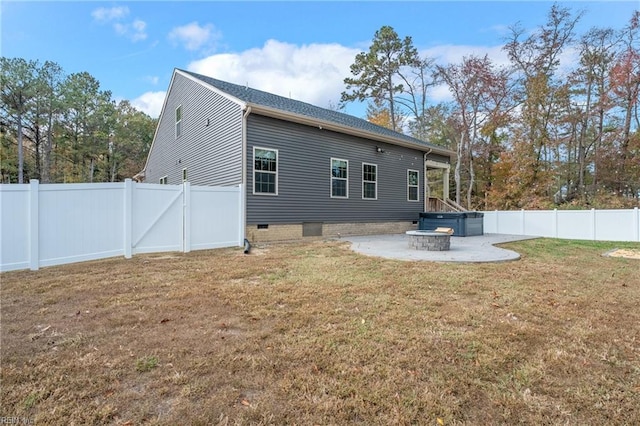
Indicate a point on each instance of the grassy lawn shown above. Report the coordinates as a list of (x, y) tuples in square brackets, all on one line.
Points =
[(315, 334)]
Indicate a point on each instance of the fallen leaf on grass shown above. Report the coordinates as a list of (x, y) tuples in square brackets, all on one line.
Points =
[(245, 403)]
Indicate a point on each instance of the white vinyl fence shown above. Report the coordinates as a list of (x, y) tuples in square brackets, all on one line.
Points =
[(599, 225), (53, 224)]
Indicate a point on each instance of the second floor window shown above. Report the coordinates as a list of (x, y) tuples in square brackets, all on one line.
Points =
[(178, 121)]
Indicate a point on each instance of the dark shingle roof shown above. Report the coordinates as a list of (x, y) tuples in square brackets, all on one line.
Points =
[(265, 99)]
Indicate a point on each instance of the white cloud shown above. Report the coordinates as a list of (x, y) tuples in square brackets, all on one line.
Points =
[(135, 30), (139, 27), (311, 73), (104, 14), (150, 103), (440, 93), (500, 29), (193, 36), (452, 54), (121, 29), (153, 79)]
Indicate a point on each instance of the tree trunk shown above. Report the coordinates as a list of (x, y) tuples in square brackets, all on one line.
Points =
[(37, 154), (392, 108), (113, 172), (596, 149), (581, 144), (91, 168), (457, 169), (48, 145), (20, 151), (472, 180), (625, 143)]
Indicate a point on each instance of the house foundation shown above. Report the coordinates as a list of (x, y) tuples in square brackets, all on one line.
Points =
[(272, 233)]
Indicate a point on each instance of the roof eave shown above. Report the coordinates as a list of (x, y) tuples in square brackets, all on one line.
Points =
[(240, 102), (322, 124)]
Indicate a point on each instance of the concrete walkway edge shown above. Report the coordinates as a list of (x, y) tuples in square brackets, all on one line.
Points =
[(476, 249)]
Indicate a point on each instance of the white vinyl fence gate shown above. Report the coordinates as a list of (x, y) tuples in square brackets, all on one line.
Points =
[(53, 224)]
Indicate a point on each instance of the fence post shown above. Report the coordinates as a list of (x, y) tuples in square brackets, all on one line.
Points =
[(522, 228), (555, 223), (636, 223), (34, 230), (186, 217), (497, 223), (593, 224), (241, 214), (128, 217)]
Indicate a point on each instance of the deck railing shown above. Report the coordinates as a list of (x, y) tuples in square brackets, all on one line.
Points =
[(435, 204)]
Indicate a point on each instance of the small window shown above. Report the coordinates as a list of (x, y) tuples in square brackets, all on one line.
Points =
[(178, 121), (265, 171), (412, 185), (369, 181), (164, 180), (339, 178), (184, 175)]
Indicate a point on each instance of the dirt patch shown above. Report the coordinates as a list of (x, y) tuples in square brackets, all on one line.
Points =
[(626, 253)]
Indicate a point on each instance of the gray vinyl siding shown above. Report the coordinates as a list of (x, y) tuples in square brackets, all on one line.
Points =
[(211, 153), (304, 179)]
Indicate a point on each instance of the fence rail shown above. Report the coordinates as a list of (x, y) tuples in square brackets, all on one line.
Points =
[(53, 224), (599, 225)]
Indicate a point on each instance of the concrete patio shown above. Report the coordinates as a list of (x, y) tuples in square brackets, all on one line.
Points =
[(475, 249)]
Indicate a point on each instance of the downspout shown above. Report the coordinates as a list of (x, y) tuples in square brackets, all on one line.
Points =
[(426, 181), (247, 111), (243, 221)]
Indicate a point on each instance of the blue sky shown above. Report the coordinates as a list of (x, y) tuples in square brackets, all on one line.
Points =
[(300, 49)]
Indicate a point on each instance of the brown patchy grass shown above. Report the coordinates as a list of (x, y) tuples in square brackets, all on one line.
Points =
[(312, 333)]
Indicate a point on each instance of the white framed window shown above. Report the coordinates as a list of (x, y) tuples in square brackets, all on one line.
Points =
[(184, 175), (339, 178), (164, 180), (178, 121), (413, 179), (369, 181), (265, 171)]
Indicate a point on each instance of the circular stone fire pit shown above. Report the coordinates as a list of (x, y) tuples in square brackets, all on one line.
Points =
[(429, 240)]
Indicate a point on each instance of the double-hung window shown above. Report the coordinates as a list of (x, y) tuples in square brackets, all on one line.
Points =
[(178, 121), (413, 185), (265, 171), (369, 181), (164, 180), (339, 178)]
